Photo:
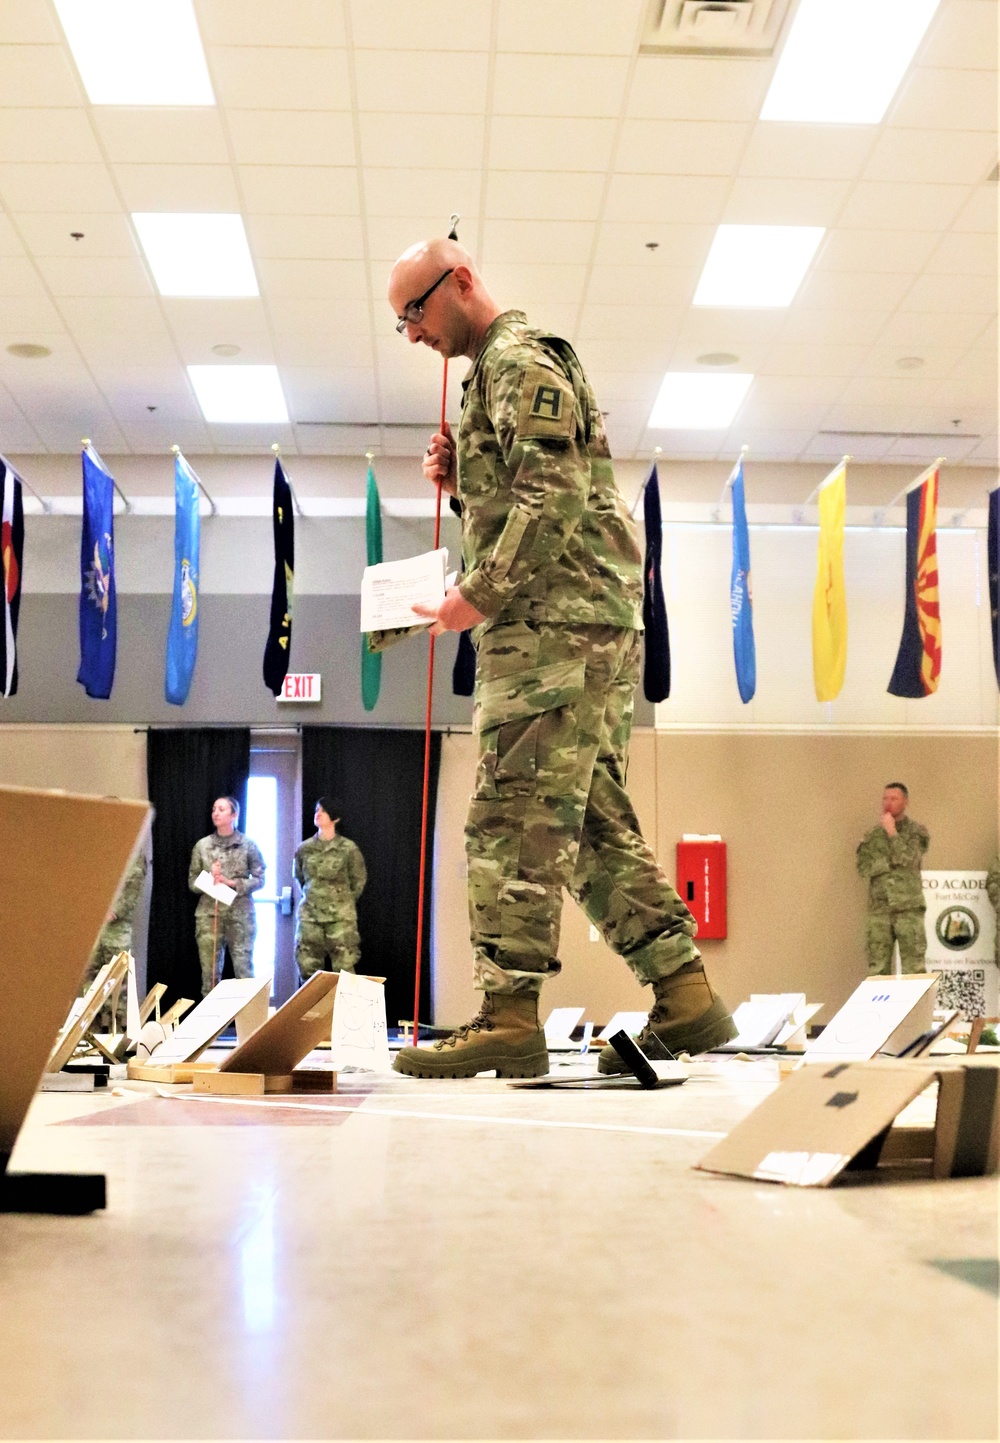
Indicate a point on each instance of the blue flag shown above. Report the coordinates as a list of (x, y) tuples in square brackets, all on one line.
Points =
[(182, 638), (371, 662), (741, 593), (98, 606), (656, 653)]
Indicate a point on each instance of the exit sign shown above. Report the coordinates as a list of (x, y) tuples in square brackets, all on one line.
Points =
[(301, 686)]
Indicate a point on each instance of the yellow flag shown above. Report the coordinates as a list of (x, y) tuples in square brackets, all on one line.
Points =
[(830, 597)]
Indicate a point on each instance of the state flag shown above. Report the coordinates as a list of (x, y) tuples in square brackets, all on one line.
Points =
[(741, 592), (656, 638), (993, 572), (182, 636), (371, 661), (98, 600), (829, 619), (11, 571), (277, 652), (918, 662)]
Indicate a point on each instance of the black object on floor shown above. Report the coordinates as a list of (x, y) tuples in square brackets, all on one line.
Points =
[(68, 1194), (633, 1059)]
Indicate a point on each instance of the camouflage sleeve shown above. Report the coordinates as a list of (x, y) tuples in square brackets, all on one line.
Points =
[(993, 884), (298, 868), (532, 408), (128, 897), (356, 870), (255, 867), (376, 641), (907, 849), (196, 868), (873, 853)]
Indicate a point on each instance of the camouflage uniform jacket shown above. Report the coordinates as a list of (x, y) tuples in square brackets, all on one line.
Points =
[(241, 860), (332, 876), (892, 866), (118, 934), (993, 892), (546, 535)]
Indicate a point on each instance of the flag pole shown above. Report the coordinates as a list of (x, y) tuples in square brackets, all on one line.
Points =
[(87, 445), (744, 451), (912, 486), (197, 480), (295, 500), (45, 505)]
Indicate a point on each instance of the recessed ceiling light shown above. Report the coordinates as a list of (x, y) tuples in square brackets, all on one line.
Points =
[(910, 363), (717, 358), (844, 59), (757, 265), (691, 401), (28, 350), (225, 348), (197, 255), (239, 393), (132, 53)]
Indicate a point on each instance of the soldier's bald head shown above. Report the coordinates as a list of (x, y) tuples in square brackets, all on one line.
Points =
[(455, 306), (421, 264)]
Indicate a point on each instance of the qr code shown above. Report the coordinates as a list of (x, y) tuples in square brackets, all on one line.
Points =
[(965, 989)]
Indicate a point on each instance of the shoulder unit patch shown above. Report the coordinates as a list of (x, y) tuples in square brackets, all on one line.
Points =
[(547, 405)]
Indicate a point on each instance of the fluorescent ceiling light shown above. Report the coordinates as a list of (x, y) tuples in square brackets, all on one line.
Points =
[(137, 52), (844, 59), (690, 401), (197, 255), (239, 393), (757, 265)]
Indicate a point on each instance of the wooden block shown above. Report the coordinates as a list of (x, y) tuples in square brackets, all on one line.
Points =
[(230, 1084), (314, 1079), (175, 1073)]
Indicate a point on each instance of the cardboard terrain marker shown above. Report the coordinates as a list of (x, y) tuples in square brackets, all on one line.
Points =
[(359, 1036), (242, 1000), (268, 1061), (884, 1014), (88, 843), (823, 1121), (84, 1013), (559, 1027), (630, 1023)]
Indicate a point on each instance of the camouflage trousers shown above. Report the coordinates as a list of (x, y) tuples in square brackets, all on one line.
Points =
[(885, 928), (100, 957), (317, 939), (553, 714), (235, 927)]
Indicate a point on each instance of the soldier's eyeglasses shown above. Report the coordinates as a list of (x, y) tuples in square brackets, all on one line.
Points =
[(413, 311)]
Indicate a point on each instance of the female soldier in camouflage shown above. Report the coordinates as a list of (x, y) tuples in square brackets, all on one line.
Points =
[(331, 872), (235, 860)]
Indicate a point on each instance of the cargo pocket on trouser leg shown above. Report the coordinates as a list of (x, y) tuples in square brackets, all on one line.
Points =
[(523, 824)]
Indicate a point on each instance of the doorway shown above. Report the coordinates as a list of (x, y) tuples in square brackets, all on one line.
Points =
[(273, 821)]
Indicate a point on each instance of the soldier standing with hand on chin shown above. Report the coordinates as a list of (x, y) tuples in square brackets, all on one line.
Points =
[(890, 856), (553, 592)]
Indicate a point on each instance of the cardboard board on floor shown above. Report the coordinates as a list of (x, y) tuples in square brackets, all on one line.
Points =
[(242, 1000), (883, 1014), (49, 931), (822, 1121), (268, 1061)]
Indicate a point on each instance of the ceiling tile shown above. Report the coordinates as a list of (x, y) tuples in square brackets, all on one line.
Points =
[(431, 25), (976, 294), (659, 285), (311, 278), (47, 137), (852, 290), (25, 318), (676, 245), (318, 315), (400, 191), (549, 85), (428, 142), (980, 211), (883, 205), (601, 321), (667, 198), (198, 325), (912, 330), (37, 75), (800, 358), (569, 27), (10, 245), (942, 100), (385, 76), (95, 275), (272, 22), (19, 277), (809, 152), (319, 393), (112, 315), (57, 187), (183, 136), (876, 250), (282, 77), (958, 157), (697, 87), (523, 286), (291, 137), (108, 350), (306, 237), (642, 353), (344, 351), (178, 187), (535, 195), (680, 147), (832, 327), (49, 234), (389, 236), (964, 35), (280, 190), (754, 200), (18, 433), (881, 360), (29, 22), (521, 242), (964, 254), (159, 432), (568, 144)]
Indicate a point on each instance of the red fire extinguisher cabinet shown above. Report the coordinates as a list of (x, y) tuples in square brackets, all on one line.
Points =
[(701, 882)]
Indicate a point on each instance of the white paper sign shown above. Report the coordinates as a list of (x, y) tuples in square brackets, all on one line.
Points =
[(358, 1033), (204, 1023), (222, 894), (132, 1024), (389, 590), (631, 1023), (559, 1026), (961, 928), (759, 1021), (873, 1013)]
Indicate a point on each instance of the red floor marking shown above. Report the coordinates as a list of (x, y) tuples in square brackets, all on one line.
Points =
[(180, 1112)]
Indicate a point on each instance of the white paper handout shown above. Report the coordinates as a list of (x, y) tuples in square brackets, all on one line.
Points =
[(223, 894), (389, 590), (882, 1014), (358, 1033), (559, 1027)]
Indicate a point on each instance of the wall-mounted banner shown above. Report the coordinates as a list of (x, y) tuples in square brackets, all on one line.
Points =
[(961, 928)]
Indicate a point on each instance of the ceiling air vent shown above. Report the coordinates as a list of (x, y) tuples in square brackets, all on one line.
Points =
[(713, 27)]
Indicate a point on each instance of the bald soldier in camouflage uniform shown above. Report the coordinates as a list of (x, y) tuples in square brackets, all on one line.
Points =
[(331, 872), (890, 856), (553, 590), (116, 934), (235, 860)]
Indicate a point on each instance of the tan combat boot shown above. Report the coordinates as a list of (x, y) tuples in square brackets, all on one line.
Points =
[(686, 1017), (504, 1038)]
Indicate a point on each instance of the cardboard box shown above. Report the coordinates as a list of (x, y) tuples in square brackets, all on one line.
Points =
[(822, 1121)]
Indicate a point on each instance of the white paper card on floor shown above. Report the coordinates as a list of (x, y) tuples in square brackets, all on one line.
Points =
[(884, 1014), (961, 927), (358, 1034), (759, 1021), (242, 1000), (630, 1023), (559, 1026)]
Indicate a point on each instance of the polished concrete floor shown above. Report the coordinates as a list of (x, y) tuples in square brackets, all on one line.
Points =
[(418, 1260)]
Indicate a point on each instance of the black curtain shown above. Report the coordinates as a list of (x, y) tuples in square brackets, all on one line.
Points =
[(186, 769), (377, 777)]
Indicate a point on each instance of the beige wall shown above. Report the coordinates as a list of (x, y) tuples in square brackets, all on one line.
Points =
[(100, 760), (792, 808)]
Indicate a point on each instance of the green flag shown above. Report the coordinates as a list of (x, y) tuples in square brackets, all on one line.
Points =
[(371, 665)]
